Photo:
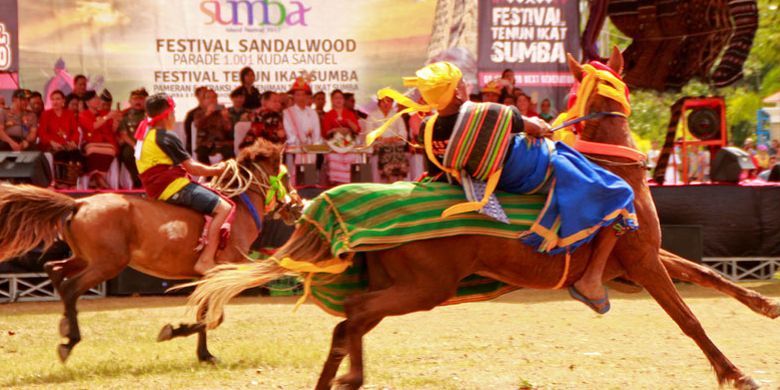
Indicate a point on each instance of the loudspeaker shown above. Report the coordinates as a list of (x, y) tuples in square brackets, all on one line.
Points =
[(729, 164), (306, 175), (704, 123), (683, 240), (25, 167), (361, 173)]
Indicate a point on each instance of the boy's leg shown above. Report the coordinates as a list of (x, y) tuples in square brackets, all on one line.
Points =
[(590, 285), (206, 202), (206, 259)]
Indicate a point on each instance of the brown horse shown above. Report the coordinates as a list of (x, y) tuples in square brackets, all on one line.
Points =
[(109, 232), (423, 274)]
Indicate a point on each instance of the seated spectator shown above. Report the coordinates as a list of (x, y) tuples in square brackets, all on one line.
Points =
[(268, 123), (106, 100), (2, 103), (80, 86), (319, 105), (251, 94), (391, 150), (214, 141), (491, 92), (507, 82), (349, 104), (126, 132), (36, 104), (18, 125), (525, 106), (194, 115), (100, 146), (340, 121), (508, 100), (74, 104), (237, 112), (546, 113), (59, 135)]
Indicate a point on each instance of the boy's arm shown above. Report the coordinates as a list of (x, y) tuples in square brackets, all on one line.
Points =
[(197, 169)]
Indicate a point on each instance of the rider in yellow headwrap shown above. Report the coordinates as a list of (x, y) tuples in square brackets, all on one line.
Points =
[(479, 145)]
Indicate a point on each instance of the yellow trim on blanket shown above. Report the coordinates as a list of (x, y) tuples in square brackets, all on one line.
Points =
[(332, 266)]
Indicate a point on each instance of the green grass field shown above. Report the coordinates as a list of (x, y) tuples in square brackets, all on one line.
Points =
[(540, 339)]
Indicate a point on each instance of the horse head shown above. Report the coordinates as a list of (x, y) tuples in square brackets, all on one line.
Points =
[(263, 160), (601, 96)]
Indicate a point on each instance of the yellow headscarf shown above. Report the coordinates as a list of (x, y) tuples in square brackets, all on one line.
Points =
[(437, 83)]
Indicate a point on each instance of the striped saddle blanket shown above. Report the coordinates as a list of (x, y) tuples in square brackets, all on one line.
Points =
[(373, 217)]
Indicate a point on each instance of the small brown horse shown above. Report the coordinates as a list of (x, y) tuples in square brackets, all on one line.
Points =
[(421, 275), (109, 232)]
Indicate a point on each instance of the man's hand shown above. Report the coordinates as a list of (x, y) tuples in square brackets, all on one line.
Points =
[(536, 127), (15, 146), (219, 167), (55, 146)]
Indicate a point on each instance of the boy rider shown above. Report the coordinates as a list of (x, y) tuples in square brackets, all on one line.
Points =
[(165, 168)]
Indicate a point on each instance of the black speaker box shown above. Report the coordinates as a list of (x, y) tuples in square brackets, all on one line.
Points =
[(683, 240), (25, 167), (729, 164), (774, 174), (361, 173), (306, 175)]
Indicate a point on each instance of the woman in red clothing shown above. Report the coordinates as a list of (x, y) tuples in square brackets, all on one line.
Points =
[(59, 135), (341, 127), (100, 144)]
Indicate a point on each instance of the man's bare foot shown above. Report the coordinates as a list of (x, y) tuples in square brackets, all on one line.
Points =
[(594, 296)]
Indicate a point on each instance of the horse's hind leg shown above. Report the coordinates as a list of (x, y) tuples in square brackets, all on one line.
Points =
[(366, 310), (338, 351), (650, 273), (688, 271), (183, 330), (60, 269)]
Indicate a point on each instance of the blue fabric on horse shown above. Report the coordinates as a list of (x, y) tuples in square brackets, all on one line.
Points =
[(582, 198)]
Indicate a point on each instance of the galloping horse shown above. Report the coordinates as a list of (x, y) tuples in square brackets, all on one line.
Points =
[(109, 232), (421, 275)]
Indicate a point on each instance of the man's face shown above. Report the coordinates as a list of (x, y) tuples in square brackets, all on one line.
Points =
[(300, 98), (319, 100), (249, 78), (545, 106), (490, 97), (94, 103), (238, 101), (275, 103), (137, 103), (385, 104), (105, 105), (80, 86), (349, 103), (20, 103), (210, 99), (36, 104)]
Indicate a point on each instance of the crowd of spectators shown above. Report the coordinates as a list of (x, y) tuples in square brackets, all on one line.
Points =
[(85, 135)]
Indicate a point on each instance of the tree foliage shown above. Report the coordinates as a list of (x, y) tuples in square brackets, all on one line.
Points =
[(650, 110)]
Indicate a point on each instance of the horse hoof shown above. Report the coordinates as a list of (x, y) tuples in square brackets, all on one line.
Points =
[(746, 383), (63, 351), (212, 360), (166, 333), (348, 382), (64, 327), (775, 311)]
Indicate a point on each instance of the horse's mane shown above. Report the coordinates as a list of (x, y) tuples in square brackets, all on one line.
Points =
[(233, 181), (261, 149)]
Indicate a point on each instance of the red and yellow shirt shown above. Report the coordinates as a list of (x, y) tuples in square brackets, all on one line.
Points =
[(159, 165)]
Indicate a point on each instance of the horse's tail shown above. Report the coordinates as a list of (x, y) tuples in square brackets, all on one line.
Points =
[(30, 216), (224, 282)]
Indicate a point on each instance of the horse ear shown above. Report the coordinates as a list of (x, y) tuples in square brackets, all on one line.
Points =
[(616, 60), (574, 67)]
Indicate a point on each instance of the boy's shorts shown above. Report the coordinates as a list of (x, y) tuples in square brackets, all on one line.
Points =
[(196, 197)]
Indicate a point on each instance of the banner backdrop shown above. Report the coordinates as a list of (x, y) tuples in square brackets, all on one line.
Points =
[(174, 46), (9, 37), (532, 38)]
